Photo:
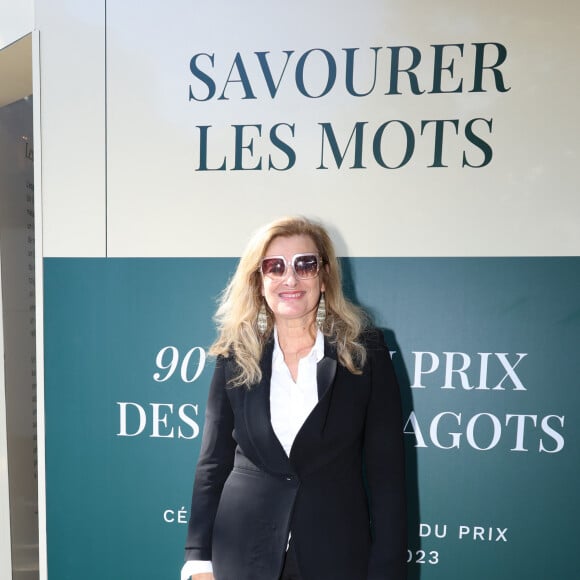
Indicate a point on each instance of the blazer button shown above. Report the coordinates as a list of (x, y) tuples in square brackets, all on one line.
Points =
[(289, 477)]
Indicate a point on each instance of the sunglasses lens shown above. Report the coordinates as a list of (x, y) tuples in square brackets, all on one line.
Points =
[(306, 265), (273, 267)]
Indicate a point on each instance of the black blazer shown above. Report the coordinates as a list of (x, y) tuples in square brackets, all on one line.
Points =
[(248, 494)]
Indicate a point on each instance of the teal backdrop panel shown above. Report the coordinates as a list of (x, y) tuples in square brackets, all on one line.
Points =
[(486, 351)]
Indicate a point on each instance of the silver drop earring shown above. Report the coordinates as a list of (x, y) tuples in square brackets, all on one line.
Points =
[(262, 319), (321, 311)]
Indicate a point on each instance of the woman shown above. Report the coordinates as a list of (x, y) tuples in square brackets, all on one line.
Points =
[(301, 471)]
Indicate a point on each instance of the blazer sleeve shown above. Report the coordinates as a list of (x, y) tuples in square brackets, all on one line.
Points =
[(385, 467), (214, 465)]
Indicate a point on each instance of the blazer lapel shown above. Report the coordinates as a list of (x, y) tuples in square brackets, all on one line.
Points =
[(326, 370), (313, 428), (258, 419), (325, 374)]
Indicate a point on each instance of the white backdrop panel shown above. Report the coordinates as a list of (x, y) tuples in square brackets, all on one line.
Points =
[(523, 202)]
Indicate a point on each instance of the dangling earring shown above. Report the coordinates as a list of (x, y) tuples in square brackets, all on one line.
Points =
[(321, 312), (262, 322)]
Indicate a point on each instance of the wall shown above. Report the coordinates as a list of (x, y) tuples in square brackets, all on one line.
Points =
[(17, 20), (150, 118), (453, 204)]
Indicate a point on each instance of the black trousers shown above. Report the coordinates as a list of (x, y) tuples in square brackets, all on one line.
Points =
[(290, 570)]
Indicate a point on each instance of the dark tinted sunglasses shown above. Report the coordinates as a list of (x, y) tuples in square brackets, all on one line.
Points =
[(305, 266)]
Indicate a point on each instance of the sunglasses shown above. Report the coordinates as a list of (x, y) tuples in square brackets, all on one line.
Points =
[(305, 266)]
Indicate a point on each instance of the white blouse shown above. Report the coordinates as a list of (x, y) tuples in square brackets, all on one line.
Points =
[(291, 402)]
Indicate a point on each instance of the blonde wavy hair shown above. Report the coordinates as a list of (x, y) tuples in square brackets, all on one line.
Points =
[(239, 303)]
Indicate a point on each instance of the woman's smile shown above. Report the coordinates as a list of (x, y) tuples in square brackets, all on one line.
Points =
[(291, 295)]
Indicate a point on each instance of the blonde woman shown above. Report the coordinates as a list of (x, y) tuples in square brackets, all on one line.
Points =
[(301, 471)]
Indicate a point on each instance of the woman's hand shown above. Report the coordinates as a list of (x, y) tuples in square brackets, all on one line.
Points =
[(203, 576)]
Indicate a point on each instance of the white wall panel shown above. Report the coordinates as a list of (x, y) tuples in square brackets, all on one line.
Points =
[(17, 20), (159, 205), (72, 66), (135, 176)]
